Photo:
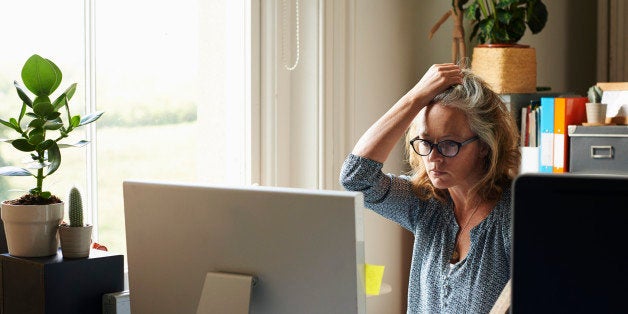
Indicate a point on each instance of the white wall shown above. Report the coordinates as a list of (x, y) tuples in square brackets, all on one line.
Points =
[(385, 68)]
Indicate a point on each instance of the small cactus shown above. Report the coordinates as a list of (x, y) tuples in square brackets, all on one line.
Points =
[(594, 94), (75, 209)]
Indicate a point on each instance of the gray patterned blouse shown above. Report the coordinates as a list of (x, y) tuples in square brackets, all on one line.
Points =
[(436, 286)]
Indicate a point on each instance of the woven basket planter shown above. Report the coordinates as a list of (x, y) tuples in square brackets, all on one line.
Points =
[(507, 69)]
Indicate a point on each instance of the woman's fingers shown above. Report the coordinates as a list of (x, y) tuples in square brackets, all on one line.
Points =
[(438, 78)]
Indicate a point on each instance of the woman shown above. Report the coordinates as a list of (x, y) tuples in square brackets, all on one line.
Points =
[(463, 149)]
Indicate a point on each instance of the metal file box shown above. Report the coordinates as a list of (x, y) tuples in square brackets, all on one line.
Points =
[(598, 149)]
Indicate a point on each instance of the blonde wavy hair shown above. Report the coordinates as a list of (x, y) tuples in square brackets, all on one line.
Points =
[(489, 118)]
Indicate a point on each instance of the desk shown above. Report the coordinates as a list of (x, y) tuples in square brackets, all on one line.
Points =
[(53, 284)]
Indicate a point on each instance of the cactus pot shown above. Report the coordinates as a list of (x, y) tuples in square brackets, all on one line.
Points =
[(31, 230), (75, 241)]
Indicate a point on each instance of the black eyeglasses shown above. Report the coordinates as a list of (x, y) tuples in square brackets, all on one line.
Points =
[(447, 148)]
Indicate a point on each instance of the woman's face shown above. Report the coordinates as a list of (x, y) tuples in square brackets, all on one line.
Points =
[(438, 123)]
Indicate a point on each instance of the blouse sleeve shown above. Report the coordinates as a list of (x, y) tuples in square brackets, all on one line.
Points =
[(389, 195)]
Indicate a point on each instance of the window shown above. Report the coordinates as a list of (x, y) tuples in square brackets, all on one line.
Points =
[(171, 78), (192, 90)]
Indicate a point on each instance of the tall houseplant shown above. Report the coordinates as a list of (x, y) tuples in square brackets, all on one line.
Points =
[(31, 221), (498, 26), (503, 21)]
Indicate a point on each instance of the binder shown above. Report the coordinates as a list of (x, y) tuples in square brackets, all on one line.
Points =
[(546, 145), (567, 111)]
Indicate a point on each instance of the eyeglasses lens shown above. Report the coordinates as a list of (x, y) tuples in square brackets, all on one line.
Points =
[(448, 148)]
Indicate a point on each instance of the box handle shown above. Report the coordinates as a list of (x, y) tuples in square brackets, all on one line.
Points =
[(602, 152)]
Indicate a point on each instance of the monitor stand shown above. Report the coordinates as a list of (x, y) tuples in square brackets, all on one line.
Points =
[(226, 293)]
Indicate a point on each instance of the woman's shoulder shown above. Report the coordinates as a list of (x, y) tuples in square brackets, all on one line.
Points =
[(502, 210)]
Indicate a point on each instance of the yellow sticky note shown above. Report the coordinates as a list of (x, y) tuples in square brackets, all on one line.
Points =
[(373, 276)]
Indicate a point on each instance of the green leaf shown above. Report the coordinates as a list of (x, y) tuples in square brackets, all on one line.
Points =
[(22, 112), (37, 123), (61, 101), (10, 125), (14, 172), (75, 121), (23, 95), (41, 76), (499, 35), (536, 16), (472, 12), (91, 118), (516, 30), (487, 27), (53, 116), (52, 125), (36, 131), (45, 145), (69, 92), (54, 157), (35, 139), (23, 145), (32, 115), (504, 16), (80, 143), (42, 108)]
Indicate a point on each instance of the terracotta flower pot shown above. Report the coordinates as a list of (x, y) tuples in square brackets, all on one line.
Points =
[(31, 230), (75, 241)]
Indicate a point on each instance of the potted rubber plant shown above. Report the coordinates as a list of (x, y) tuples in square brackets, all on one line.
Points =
[(75, 237), (498, 26), (41, 123)]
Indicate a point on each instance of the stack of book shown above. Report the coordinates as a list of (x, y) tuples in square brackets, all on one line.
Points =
[(544, 138), (530, 124)]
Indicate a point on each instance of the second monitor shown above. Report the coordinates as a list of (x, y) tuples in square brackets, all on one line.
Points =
[(304, 247)]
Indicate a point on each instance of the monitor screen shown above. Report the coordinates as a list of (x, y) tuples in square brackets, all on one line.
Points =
[(304, 247), (569, 238)]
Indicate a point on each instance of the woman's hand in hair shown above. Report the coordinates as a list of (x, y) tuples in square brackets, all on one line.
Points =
[(437, 79)]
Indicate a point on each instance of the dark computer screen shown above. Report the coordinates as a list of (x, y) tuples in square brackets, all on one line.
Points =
[(570, 236)]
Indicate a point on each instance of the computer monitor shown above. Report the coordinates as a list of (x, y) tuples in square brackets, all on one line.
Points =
[(569, 242), (304, 247)]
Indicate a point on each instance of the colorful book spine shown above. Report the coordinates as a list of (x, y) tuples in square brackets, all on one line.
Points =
[(546, 145), (567, 111), (558, 164)]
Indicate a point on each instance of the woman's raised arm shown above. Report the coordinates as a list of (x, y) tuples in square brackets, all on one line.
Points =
[(378, 141)]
